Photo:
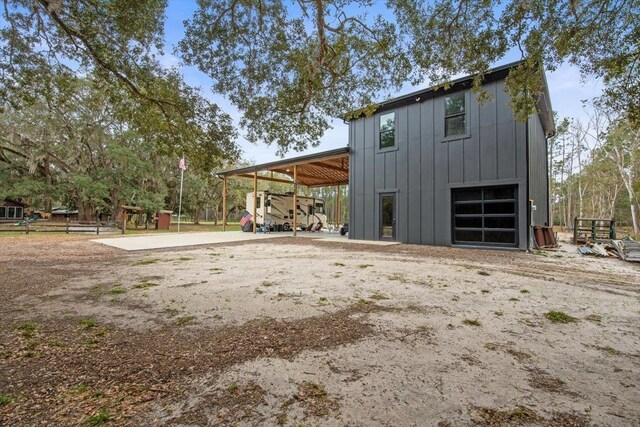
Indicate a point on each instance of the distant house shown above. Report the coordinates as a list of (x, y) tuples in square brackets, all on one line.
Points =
[(61, 214), (12, 210)]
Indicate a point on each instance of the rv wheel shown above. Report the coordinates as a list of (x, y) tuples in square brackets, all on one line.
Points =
[(286, 227)]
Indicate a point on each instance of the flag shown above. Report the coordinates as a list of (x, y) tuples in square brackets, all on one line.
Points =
[(182, 165), (245, 218)]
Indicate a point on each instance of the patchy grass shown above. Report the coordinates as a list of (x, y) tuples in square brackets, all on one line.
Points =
[(184, 320), (315, 400), (31, 345), (559, 317), (524, 291), (184, 258), (146, 261), (5, 399), (455, 298), (398, 277), (485, 291), (80, 388), (267, 284), (339, 264), (594, 318), (365, 265), (471, 322), (259, 291), (498, 313), (378, 296), (27, 329), (517, 416), (514, 299), (323, 301), (117, 290), (484, 273), (100, 418), (87, 323), (610, 350), (144, 285), (233, 387)]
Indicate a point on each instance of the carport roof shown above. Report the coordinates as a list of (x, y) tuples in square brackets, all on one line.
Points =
[(324, 169)]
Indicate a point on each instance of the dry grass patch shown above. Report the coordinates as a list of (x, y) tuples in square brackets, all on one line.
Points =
[(524, 416)]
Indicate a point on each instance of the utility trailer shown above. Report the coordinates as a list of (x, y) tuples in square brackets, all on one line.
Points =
[(276, 210)]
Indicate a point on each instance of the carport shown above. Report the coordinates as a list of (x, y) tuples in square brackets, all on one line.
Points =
[(324, 169)]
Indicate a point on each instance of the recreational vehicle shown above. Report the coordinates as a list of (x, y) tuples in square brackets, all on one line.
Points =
[(276, 211)]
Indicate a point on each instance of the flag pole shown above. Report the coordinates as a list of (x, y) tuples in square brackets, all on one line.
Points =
[(180, 203)]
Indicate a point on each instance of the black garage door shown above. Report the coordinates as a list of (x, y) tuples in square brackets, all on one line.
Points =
[(485, 216)]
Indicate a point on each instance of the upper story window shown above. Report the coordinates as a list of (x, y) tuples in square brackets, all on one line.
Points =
[(387, 130), (454, 115)]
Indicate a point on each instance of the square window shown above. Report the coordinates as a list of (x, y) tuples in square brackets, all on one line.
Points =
[(11, 212), (454, 115), (387, 130)]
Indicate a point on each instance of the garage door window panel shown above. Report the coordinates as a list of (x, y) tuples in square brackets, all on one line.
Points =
[(485, 216)]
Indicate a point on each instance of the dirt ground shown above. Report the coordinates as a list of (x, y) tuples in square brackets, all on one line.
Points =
[(303, 333)]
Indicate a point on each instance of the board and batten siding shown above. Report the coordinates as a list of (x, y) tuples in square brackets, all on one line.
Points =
[(538, 172), (423, 169)]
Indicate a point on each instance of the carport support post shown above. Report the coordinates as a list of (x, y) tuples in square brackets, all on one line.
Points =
[(224, 203), (295, 200), (338, 206), (255, 202)]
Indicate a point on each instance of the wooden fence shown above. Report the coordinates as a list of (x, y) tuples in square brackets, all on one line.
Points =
[(67, 227)]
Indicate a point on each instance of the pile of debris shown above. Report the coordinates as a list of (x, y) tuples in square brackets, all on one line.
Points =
[(626, 249)]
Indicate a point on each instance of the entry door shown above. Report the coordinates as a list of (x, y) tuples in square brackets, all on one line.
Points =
[(388, 216)]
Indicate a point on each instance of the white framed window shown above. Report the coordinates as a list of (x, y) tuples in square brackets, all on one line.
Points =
[(14, 212), (3, 212)]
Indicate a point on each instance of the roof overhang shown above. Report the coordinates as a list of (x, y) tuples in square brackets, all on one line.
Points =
[(324, 169)]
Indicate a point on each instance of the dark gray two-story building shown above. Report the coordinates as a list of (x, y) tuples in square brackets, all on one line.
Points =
[(435, 167)]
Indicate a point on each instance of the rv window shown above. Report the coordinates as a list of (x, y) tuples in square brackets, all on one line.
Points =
[(268, 202), (258, 202), (319, 208), (309, 210)]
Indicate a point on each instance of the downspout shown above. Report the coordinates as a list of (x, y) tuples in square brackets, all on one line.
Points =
[(528, 202), (546, 161)]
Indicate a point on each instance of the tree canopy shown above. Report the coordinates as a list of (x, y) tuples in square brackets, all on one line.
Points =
[(290, 66)]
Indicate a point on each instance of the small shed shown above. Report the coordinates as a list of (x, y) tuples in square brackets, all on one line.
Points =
[(12, 210), (163, 220), (62, 214)]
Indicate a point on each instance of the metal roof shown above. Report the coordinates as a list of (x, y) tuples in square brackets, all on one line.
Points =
[(324, 169)]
